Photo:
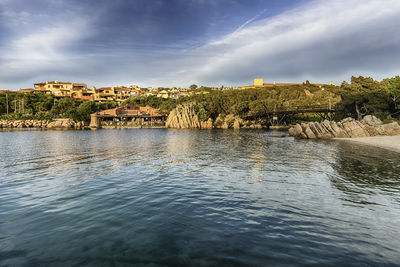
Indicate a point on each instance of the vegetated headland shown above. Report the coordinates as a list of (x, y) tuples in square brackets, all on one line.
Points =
[(68, 105)]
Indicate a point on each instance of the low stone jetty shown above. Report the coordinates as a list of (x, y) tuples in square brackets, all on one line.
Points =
[(43, 124), (346, 128)]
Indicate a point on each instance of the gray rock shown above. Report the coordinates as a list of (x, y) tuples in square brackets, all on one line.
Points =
[(371, 120), (347, 128)]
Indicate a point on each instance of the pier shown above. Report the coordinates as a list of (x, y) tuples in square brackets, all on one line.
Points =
[(130, 116)]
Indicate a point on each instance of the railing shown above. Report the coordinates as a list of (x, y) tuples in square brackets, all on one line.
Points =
[(303, 109), (298, 109)]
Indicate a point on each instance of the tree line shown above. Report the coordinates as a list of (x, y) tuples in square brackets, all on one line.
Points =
[(41, 106)]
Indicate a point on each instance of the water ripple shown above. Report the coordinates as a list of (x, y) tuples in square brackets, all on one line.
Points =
[(166, 197)]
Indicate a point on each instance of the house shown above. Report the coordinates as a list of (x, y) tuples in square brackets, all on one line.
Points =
[(130, 110), (81, 91)]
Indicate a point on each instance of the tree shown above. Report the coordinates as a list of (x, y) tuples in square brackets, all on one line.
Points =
[(84, 110), (392, 87), (193, 87), (363, 96)]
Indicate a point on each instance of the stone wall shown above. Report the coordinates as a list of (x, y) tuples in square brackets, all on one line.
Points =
[(47, 124)]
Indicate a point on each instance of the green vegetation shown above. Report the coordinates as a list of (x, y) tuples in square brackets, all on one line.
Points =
[(164, 104), (259, 102), (360, 97), (364, 96), (39, 106)]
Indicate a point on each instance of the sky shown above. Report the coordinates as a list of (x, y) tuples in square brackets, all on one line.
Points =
[(205, 42)]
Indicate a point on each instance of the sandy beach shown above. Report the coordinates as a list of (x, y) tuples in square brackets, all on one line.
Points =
[(387, 142)]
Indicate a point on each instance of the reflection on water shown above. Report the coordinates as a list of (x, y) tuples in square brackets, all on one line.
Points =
[(167, 197), (366, 172)]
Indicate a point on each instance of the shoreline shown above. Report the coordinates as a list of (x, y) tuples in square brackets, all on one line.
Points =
[(391, 143)]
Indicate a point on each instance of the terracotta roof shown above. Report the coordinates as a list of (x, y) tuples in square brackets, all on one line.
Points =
[(130, 110), (26, 90), (54, 82)]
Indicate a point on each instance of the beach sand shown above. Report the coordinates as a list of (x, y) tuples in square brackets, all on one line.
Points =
[(387, 142)]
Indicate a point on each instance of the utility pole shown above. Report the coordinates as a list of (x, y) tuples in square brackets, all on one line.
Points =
[(7, 102)]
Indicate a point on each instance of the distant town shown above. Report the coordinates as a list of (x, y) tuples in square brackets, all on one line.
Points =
[(121, 93)]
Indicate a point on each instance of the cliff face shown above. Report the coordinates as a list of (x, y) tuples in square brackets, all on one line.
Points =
[(185, 117), (347, 128)]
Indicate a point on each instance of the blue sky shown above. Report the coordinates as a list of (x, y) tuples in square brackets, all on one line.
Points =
[(207, 42)]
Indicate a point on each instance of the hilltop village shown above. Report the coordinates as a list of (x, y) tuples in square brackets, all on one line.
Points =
[(121, 93)]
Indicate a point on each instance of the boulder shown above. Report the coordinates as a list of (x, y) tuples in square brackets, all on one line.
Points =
[(307, 131), (297, 131), (61, 124), (389, 129), (207, 124), (371, 121), (346, 128), (238, 122)]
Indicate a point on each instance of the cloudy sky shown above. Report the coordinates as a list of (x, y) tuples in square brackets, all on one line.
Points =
[(207, 42)]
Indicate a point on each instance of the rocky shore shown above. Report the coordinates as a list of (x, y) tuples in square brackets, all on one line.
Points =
[(185, 117), (43, 124), (347, 128)]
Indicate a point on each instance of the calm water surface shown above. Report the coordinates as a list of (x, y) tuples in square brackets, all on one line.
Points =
[(195, 198)]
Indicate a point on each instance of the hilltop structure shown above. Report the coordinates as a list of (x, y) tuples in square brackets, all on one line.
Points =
[(259, 83)]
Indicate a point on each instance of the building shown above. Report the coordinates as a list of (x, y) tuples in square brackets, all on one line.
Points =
[(258, 82), (130, 110), (81, 91), (63, 89), (60, 89), (128, 116)]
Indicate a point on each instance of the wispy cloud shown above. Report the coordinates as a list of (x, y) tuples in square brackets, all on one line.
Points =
[(321, 41), (250, 21)]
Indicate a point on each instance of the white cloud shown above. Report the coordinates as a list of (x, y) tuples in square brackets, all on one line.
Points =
[(320, 40), (47, 44), (40, 49)]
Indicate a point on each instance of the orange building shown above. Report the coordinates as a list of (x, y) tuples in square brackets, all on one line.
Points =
[(130, 110), (81, 91)]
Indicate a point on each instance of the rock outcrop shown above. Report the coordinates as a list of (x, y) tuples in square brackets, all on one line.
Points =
[(54, 124), (347, 128), (184, 117)]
